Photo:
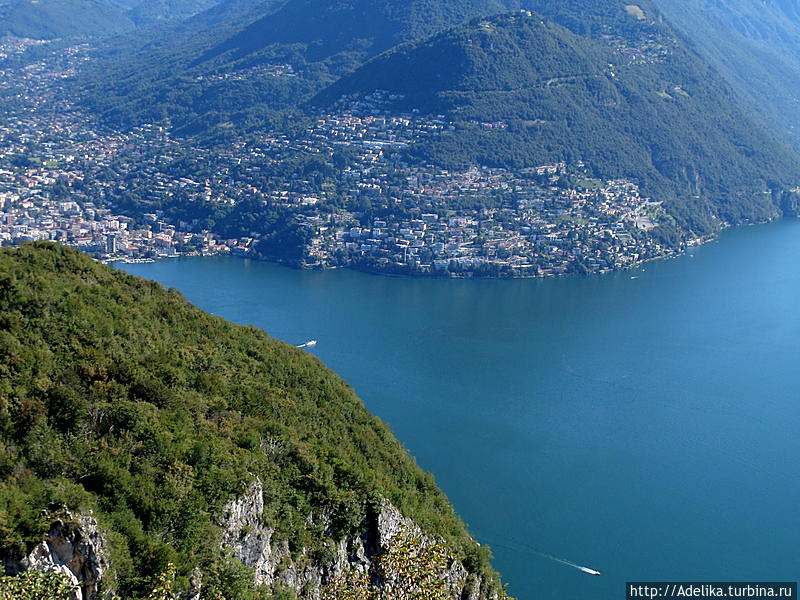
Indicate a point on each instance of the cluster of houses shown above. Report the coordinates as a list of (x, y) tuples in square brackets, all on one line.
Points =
[(27, 215), (538, 230), (360, 199)]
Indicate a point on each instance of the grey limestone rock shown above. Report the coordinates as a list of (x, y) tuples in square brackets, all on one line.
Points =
[(252, 541), (77, 548)]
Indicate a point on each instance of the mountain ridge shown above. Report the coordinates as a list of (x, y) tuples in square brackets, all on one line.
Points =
[(51, 19), (755, 46), (335, 39), (662, 118)]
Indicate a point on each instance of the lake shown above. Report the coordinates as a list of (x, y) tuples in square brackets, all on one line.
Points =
[(641, 423)]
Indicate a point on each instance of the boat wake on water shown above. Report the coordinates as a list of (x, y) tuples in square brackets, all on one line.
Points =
[(586, 570), (519, 547)]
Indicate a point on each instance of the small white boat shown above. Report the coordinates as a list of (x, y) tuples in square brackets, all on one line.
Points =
[(590, 571), (308, 344)]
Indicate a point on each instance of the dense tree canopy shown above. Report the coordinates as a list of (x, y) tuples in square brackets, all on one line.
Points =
[(120, 397)]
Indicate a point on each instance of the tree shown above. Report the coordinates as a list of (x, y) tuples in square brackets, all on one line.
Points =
[(412, 568), (36, 585), (53, 585)]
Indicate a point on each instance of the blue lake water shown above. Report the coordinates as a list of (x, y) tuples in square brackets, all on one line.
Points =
[(643, 423)]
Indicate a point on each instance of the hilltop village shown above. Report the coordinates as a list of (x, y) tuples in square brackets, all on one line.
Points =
[(340, 190)]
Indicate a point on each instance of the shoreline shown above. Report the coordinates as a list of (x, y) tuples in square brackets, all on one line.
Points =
[(681, 251)]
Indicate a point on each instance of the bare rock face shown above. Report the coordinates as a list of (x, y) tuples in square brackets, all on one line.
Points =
[(252, 541), (389, 523), (77, 548), (195, 585)]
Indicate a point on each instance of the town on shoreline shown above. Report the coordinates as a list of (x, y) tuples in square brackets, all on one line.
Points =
[(340, 194)]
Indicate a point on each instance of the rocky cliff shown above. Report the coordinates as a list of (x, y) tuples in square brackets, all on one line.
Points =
[(252, 541), (76, 548)]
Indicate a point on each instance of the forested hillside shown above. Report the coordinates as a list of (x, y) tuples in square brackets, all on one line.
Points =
[(599, 18), (219, 66), (324, 29), (121, 398), (157, 77), (643, 107), (756, 46), (61, 18), (48, 19), (158, 11)]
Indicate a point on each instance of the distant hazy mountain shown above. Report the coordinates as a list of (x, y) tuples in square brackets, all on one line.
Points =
[(48, 19), (211, 68), (154, 75), (638, 105), (61, 18), (365, 27), (756, 46), (156, 11)]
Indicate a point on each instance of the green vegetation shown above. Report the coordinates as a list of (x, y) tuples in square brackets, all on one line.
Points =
[(598, 18), (206, 72), (410, 570), (365, 27), (160, 76), (694, 148), (756, 47), (59, 18), (49, 19), (120, 397), (36, 585), (51, 585)]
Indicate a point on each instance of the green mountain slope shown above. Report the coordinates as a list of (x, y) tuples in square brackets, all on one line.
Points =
[(756, 46), (120, 397), (61, 18), (158, 11), (216, 73), (324, 28), (598, 18), (48, 19), (642, 107), (154, 76)]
